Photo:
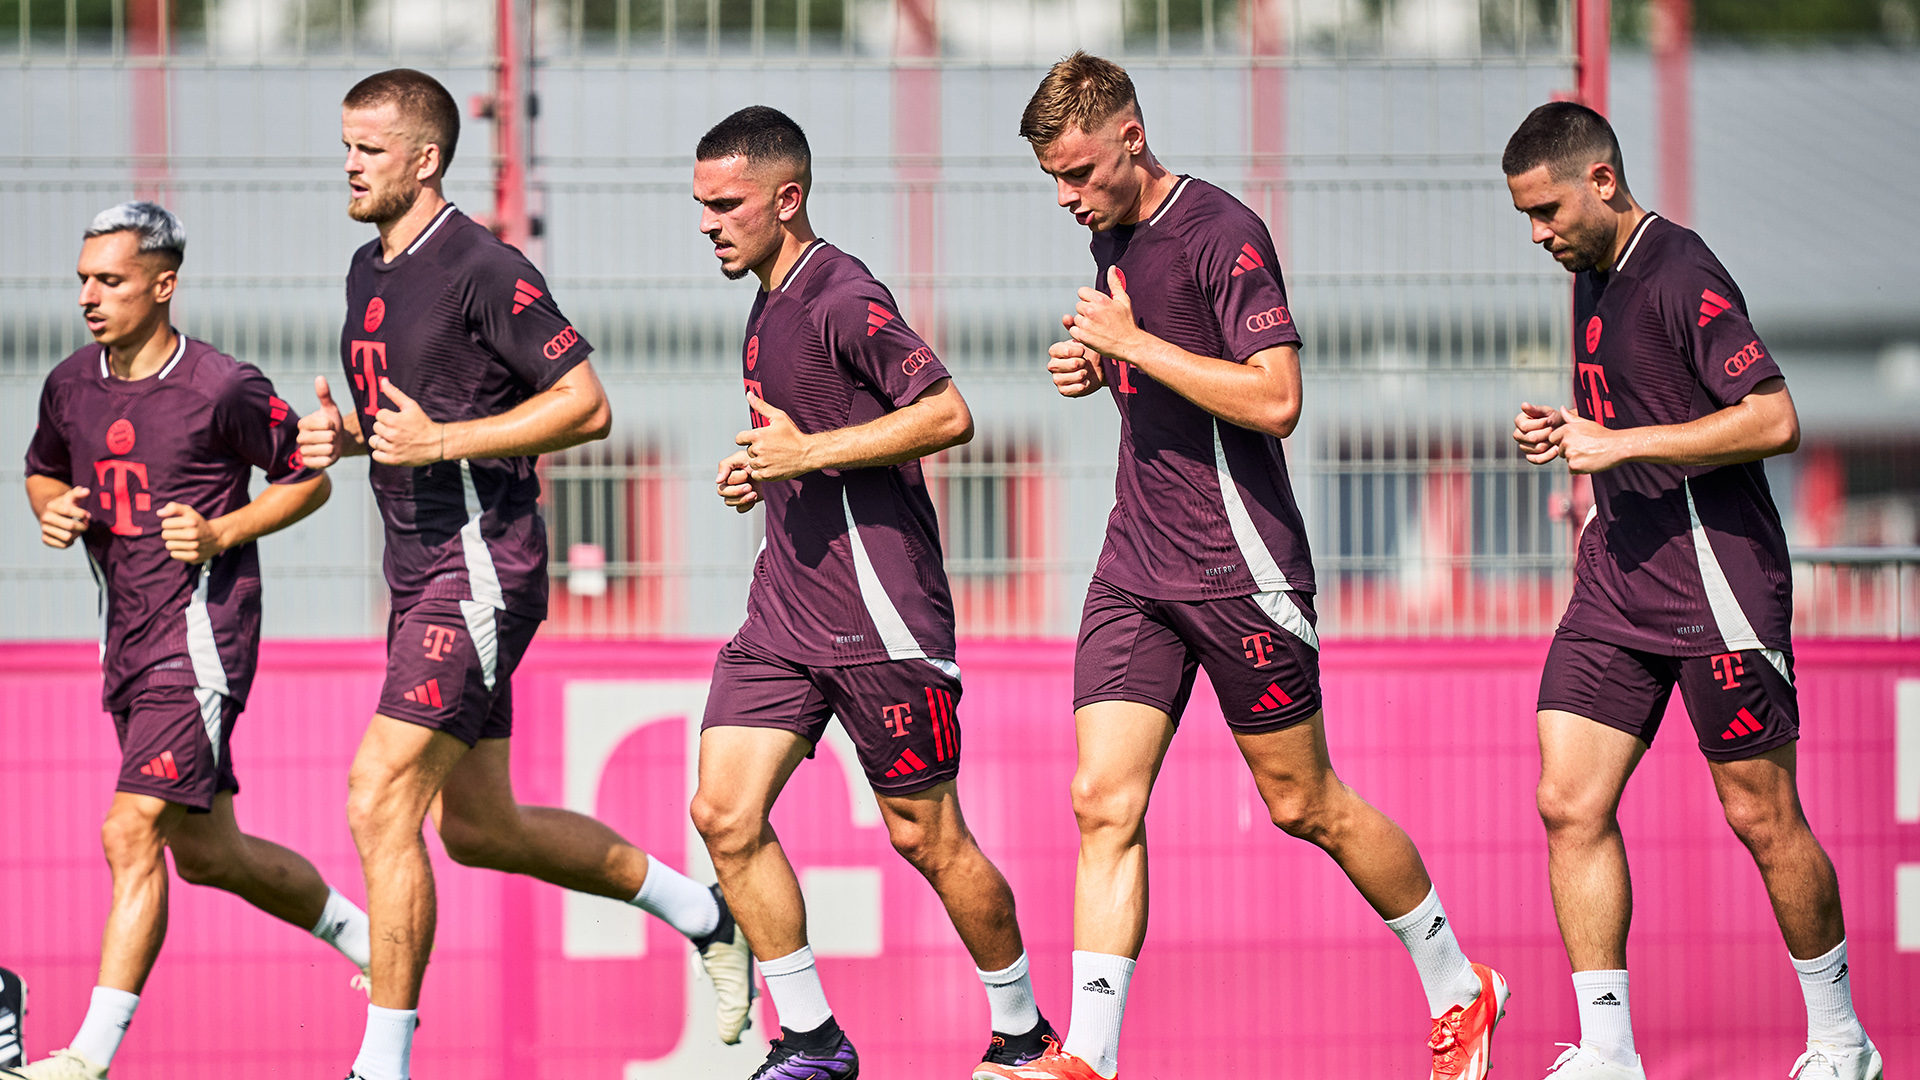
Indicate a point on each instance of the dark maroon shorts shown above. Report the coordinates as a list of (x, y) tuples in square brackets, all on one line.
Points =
[(1261, 654), (450, 664), (902, 714), (1742, 703), (174, 745)]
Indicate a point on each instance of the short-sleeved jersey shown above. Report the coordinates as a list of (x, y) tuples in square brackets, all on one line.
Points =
[(192, 433), (463, 324), (1676, 560), (851, 571), (1203, 508)]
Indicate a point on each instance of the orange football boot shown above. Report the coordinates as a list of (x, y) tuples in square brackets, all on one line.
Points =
[(1055, 1064), (1462, 1040)]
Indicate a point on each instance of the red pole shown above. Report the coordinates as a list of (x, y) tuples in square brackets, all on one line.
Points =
[(149, 78), (1267, 117), (1592, 35), (916, 148), (1672, 60), (512, 219)]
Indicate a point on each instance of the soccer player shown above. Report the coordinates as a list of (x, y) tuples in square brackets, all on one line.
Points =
[(1682, 577), (462, 369), (849, 613), (144, 451), (1206, 563)]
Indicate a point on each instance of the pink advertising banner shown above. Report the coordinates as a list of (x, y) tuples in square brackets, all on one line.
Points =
[(1260, 961)]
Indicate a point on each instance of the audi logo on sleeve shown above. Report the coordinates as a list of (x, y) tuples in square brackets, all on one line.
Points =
[(1744, 359), (916, 360), (561, 342), (1268, 319)]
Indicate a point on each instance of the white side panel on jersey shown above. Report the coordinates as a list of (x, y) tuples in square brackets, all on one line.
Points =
[(484, 628), (1728, 618), (482, 579), (1260, 562), (1288, 616), (894, 635)]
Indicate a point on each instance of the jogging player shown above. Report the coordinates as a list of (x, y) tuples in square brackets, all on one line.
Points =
[(1205, 565), (849, 613), (146, 445), (1682, 577), (462, 369)]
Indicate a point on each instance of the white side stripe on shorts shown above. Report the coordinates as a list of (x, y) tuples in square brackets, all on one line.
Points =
[(483, 626), (1288, 616), (209, 675)]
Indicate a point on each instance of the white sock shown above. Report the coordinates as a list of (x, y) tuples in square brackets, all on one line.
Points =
[(1100, 982), (794, 984), (106, 1024), (1445, 972), (344, 926), (387, 1050), (1010, 998), (1828, 988), (685, 904), (1606, 1020)]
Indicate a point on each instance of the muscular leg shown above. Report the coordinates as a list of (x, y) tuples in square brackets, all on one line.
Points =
[(396, 775), (927, 829), (1584, 768), (209, 849), (135, 839), (1762, 804), (742, 772), (1121, 746)]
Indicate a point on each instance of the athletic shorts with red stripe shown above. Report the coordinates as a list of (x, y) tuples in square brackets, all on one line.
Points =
[(1742, 704), (450, 667), (174, 745), (1260, 652), (902, 714)]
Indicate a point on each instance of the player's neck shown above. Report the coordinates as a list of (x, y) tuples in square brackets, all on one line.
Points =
[(141, 359), (1158, 183), (793, 243), (1623, 227), (400, 233)]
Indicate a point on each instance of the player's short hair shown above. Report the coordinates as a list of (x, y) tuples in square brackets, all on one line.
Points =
[(425, 106), (1566, 137), (760, 134), (1081, 91), (160, 232)]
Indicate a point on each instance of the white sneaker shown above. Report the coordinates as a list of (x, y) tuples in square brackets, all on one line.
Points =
[(69, 1065), (1585, 1063), (728, 962), (1824, 1061)]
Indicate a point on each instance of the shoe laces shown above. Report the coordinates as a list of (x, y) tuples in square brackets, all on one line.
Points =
[(1815, 1055), (1445, 1039), (1566, 1056), (362, 983)]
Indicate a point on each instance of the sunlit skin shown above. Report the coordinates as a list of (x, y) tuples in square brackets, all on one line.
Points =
[(393, 177), (126, 299)]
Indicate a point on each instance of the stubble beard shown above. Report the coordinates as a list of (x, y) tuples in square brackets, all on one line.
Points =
[(379, 208)]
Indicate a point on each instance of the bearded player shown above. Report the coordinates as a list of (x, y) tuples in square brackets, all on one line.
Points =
[(1205, 566), (463, 370), (849, 613), (1682, 577), (146, 445)]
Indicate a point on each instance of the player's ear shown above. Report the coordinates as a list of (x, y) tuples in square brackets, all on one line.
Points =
[(165, 281), (1605, 182), (429, 164), (789, 199)]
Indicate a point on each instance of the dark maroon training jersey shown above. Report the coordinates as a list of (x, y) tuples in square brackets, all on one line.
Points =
[(192, 434), (1682, 561), (1202, 507), (462, 324), (851, 571)]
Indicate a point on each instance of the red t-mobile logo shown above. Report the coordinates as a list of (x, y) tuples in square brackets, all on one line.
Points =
[(1123, 377), (369, 360), (1259, 647), (114, 495), (898, 717), (439, 639), (753, 414), (1725, 667), (1592, 379)]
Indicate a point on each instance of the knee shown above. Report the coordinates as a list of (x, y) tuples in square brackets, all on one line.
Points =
[(1103, 807), (130, 839), (469, 843), (375, 806), (730, 831), (1572, 810), (1307, 812), (927, 846), (197, 867), (1758, 822)]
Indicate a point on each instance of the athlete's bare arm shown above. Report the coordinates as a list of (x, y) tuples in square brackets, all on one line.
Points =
[(1757, 426), (192, 538), (572, 411), (56, 505), (1262, 394), (930, 423)]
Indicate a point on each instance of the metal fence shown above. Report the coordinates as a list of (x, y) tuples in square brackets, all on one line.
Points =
[(1366, 133)]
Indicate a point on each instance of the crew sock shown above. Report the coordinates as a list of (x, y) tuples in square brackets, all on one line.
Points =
[(387, 1049), (1100, 982), (108, 1015), (345, 927), (1445, 972), (685, 904), (1010, 998), (1828, 987), (794, 984), (1606, 1020)]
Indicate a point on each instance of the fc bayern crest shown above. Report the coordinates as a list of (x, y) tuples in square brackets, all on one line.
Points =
[(376, 314), (120, 436), (753, 351), (1593, 334)]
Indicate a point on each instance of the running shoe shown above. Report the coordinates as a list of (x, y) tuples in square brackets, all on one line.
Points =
[(728, 962), (785, 1061), (1054, 1064), (63, 1065), (1462, 1038), (1824, 1061), (1011, 1050), (1585, 1063)]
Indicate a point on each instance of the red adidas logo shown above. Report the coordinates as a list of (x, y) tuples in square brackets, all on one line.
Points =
[(1712, 304), (1249, 260), (524, 294), (276, 410), (1272, 698), (1744, 724), (162, 767), (908, 764), (427, 693), (877, 317)]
